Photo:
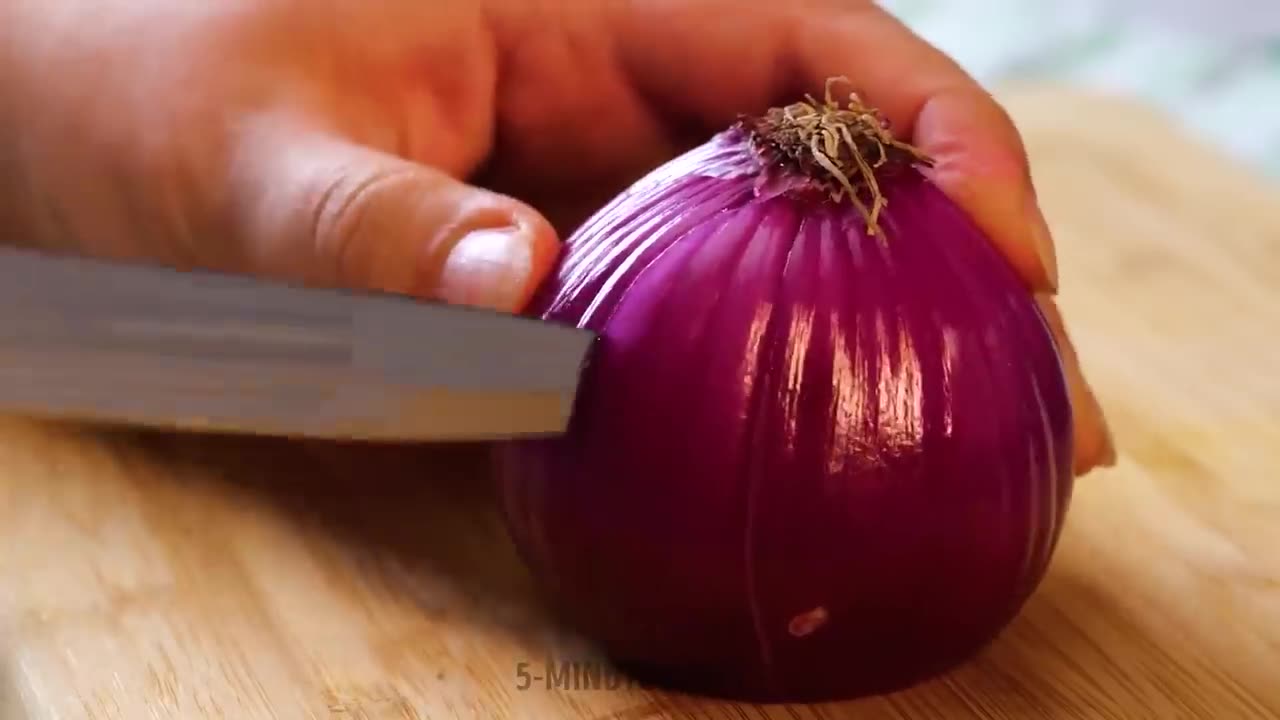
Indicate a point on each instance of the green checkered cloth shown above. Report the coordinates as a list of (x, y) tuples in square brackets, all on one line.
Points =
[(1223, 88)]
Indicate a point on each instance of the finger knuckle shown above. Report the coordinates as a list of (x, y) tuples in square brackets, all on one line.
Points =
[(340, 216)]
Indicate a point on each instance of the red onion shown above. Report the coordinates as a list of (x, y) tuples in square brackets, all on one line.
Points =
[(823, 447)]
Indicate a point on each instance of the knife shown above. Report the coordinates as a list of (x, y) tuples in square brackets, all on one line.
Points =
[(105, 341)]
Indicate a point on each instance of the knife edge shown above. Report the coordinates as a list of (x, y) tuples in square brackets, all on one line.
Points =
[(111, 342)]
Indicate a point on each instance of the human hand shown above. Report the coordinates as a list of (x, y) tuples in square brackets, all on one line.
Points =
[(332, 142)]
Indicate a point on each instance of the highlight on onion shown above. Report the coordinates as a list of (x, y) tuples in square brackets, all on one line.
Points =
[(823, 446)]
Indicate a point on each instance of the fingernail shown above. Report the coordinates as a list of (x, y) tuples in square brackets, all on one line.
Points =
[(1095, 444), (1106, 439), (1109, 449), (488, 268), (1098, 446), (1042, 241)]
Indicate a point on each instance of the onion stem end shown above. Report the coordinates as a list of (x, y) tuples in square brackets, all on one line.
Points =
[(839, 147)]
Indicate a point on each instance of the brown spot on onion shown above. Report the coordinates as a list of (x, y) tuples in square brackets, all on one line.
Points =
[(807, 622)]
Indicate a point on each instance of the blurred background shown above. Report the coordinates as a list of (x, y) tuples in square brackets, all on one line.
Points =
[(1213, 64)]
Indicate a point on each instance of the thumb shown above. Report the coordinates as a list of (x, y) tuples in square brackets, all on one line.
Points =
[(316, 208)]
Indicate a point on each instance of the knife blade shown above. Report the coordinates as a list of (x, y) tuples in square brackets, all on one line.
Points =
[(106, 341)]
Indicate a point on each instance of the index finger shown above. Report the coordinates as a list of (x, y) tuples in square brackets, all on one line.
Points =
[(711, 60)]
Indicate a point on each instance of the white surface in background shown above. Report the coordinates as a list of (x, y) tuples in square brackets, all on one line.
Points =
[(1231, 20), (1214, 64)]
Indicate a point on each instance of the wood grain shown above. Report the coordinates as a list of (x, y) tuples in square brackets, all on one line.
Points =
[(145, 576)]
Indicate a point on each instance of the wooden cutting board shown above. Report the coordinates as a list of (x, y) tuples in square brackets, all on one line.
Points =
[(152, 577)]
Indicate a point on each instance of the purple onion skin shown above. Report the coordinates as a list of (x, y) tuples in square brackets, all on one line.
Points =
[(806, 463)]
